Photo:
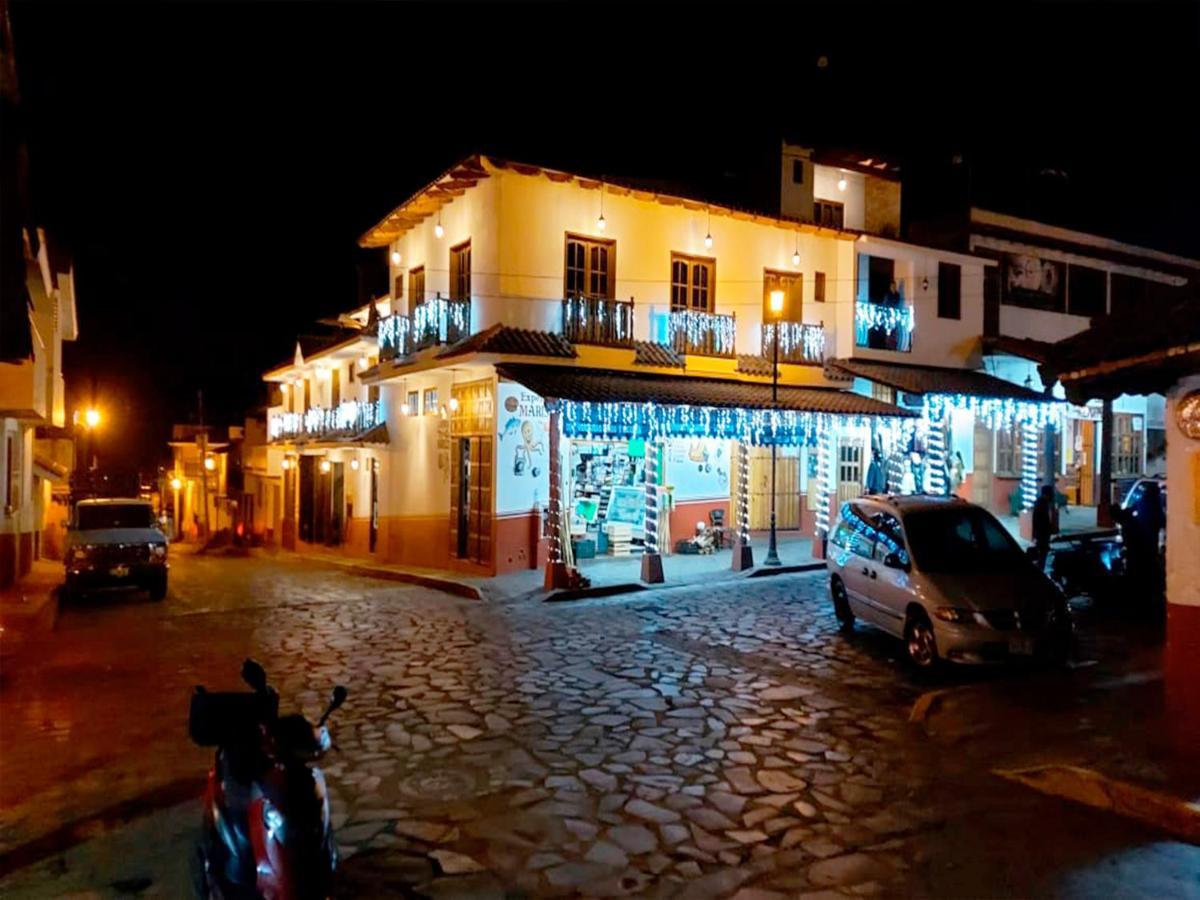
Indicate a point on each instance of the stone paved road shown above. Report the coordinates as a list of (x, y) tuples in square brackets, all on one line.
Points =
[(692, 742)]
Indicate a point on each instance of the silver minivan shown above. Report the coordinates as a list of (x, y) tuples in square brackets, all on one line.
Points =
[(944, 576)]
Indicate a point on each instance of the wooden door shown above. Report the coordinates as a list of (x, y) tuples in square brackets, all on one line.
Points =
[(787, 490), (337, 518), (851, 469), (471, 499), (1087, 463), (981, 478)]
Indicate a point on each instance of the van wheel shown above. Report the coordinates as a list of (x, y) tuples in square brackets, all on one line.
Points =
[(841, 605), (919, 641)]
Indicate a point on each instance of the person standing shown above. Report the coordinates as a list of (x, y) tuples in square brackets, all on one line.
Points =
[(1045, 522)]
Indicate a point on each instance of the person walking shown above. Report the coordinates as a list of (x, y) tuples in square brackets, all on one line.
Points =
[(1045, 522)]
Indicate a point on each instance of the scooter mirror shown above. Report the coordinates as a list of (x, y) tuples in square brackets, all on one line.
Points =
[(338, 698), (253, 675)]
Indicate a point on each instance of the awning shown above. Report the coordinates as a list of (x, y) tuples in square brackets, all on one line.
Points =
[(937, 380), (616, 386), (616, 404)]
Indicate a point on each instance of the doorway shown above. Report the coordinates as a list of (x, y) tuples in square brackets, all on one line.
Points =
[(471, 499), (981, 460), (373, 512), (787, 488)]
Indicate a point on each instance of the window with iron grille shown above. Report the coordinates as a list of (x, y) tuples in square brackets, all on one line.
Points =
[(1008, 452), (693, 283), (1128, 431), (590, 268), (460, 271), (416, 286)]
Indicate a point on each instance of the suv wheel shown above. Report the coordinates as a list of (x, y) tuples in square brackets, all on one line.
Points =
[(920, 642), (841, 604)]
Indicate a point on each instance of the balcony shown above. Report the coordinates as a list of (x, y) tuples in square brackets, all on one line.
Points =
[(590, 320), (884, 325), (346, 421), (798, 343), (701, 333), (433, 322)]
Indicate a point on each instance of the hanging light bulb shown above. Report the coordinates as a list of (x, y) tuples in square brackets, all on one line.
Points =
[(842, 182), (708, 232), (453, 404), (438, 230), (796, 252), (600, 223), (395, 257)]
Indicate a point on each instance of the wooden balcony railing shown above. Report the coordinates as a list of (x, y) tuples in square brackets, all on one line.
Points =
[(346, 420), (884, 326), (432, 322), (591, 320), (701, 333), (798, 342)]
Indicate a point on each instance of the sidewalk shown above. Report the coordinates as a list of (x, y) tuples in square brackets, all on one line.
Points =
[(30, 606), (608, 575)]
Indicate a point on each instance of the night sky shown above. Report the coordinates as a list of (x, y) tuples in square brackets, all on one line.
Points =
[(211, 166)]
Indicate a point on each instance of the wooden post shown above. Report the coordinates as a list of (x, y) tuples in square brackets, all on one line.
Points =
[(743, 554), (557, 575), (652, 570)]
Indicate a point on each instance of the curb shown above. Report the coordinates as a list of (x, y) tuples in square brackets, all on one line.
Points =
[(1163, 811), (445, 585), (764, 571)]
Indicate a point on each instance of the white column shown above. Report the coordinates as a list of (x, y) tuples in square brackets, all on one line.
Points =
[(743, 554), (652, 570)]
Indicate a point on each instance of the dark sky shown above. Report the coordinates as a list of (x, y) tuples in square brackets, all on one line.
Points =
[(211, 166)]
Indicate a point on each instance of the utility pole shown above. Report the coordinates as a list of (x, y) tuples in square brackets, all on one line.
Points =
[(203, 461)]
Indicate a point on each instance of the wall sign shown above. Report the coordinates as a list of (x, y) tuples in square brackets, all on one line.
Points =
[(522, 450), (1187, 415)]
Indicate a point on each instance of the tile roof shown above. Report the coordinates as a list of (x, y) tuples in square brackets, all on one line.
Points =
[(506, 339), (935, 379), (1026, 348), (650, 353), (612, 385), (750, 364)]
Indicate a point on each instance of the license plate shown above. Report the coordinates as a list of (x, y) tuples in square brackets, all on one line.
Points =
[(1021, 646), (119, 571)]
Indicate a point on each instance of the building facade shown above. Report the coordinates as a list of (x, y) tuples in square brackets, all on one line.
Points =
[(34, 466), (542, 320)]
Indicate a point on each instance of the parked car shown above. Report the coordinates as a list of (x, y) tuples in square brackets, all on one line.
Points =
[(946, 577), (115, 543)]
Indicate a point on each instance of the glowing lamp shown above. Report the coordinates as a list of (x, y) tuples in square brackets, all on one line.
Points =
[(842, 183), (404, 410), (600, 223), (325, 467), (91, 418), (796, 258), (453, 404), (354, 464), (395, 257), (438, 231), (708, 241), (285, 464), (210, 463), (776, 302), (176, 484)]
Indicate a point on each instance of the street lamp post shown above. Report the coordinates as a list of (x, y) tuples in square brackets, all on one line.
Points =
[(776, 300), (176, 484)]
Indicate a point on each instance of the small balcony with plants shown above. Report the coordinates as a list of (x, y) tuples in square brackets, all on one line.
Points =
[(598, 320), (431, 323)]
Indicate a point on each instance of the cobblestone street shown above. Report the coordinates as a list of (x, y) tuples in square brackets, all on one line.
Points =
[(691, 742)]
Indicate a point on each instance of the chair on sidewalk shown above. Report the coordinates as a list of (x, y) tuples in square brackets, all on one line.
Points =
[(716, 519)]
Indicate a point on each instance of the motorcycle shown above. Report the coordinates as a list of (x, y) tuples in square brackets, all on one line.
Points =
[(266, 830), (1091, 563)]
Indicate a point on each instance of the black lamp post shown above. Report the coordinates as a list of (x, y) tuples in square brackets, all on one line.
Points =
[(776, 300)]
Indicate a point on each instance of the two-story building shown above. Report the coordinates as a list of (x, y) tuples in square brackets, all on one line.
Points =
[(1050, 283), (32, 397), (533, 309)]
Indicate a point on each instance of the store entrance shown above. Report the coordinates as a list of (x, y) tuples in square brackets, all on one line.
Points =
[(606, 496)]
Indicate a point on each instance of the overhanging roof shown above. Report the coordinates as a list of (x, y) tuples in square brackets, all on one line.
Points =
[(937, 380), (507, 339), (587, 385)]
